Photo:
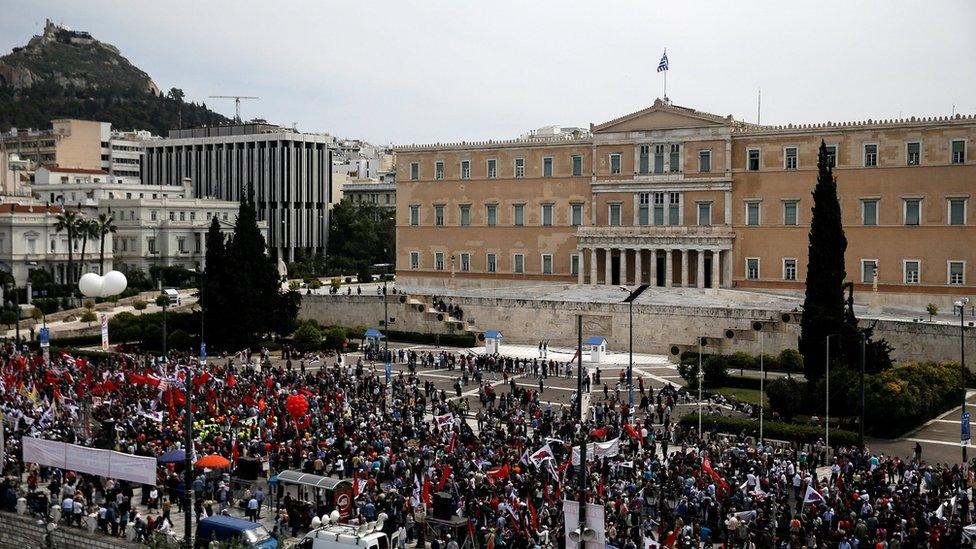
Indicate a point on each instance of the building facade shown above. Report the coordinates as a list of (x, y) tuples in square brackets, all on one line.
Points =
[(380, 191), (671, 196), (85, 188), (290, 172)]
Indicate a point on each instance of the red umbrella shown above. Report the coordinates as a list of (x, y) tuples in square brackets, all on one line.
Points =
[(212, 461)]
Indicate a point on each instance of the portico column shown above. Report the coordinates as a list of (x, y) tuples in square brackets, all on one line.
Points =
[(623, 266), (592, 265), (684, 268), (700, 273), (728, 268), (579, 268), (638, 279), (653, 273), (607, 271), (668, 268), (716, 264)]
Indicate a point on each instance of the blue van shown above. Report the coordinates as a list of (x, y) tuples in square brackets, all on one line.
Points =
[(225, 529)]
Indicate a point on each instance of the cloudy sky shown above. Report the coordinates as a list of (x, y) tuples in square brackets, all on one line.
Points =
[(411, 72)]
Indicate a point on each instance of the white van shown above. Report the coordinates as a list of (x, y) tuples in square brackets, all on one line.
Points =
[(342, 536)]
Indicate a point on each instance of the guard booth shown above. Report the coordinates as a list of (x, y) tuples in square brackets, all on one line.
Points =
[(321, 493), (493, 341), (373, 337), (598, 348)]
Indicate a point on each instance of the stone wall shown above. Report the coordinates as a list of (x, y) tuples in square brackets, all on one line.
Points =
[(23, 532), (657, 328)]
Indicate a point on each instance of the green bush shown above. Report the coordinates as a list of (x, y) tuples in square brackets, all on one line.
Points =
[(770, 363), (46, 305), (139, 305), (740, 360), (903, 397), (8, 317), (334, 337), (790, 360), (776, 430), (89, 316), (716, 371), (785, 396), (308, 337)]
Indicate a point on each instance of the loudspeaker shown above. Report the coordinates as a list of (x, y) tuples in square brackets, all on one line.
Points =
[(248, 468), (403, 299), (729, 334), (757, 326), (786, 317), (442, 506), (481, 337), (675, 350)]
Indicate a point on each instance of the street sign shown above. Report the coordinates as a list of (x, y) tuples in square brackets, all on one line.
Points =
[(45, 337), (203, 352), (964, 423)]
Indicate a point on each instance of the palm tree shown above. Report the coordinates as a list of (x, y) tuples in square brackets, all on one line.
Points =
[(87, 229), (67, 221), (106, 225)]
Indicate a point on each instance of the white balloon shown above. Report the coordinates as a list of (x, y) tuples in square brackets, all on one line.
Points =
[(114, 283), (91, 284)]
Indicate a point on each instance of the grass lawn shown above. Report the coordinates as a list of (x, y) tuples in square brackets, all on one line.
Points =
[(742, 395)]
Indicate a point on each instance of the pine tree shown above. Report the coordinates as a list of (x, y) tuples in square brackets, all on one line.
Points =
[(823, 306), (214, 284)]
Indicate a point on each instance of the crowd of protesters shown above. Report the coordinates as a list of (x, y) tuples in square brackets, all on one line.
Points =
[(496, 446)]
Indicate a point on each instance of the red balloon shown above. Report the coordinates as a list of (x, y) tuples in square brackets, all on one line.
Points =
[(296, 406)]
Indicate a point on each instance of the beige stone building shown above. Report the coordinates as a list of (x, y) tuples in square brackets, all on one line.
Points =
[(671, 196)]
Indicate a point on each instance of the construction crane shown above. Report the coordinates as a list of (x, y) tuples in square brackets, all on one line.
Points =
[(237, 103)]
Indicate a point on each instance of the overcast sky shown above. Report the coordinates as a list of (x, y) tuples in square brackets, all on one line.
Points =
[(415, 72)]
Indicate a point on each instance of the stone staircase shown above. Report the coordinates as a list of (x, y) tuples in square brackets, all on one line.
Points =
[(419, 304)]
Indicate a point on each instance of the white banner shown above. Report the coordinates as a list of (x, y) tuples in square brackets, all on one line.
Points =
[(594, 521), (104, 332), (595, 450), (93, 461)]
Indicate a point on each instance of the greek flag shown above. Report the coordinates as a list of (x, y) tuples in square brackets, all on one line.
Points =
[(663, 65)]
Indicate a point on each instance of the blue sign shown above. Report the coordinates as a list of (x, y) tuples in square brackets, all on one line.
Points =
[(45, 337), (203, 351), (966, 432), (389, 372)]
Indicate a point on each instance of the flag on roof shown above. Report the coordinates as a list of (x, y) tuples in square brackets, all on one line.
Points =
[(663, 65)]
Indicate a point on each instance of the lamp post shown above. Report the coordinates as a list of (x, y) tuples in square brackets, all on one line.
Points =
[(579, 404), (386, 314), (827, 404), (758, 326), (961, 305), (701, 381)]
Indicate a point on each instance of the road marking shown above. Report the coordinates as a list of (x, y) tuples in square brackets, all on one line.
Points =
[(930, 441)]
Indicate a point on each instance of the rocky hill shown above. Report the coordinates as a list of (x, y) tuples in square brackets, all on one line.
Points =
[(68, 74)]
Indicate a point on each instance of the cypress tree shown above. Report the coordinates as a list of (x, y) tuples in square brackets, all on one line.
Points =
[(212, 291), (823, 305)]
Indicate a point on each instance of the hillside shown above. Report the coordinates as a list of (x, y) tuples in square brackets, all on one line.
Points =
[(68, 74)]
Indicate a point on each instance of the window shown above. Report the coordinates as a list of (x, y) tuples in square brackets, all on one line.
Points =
[(414, 171), (32, 246), (151, 244), (491, 214), (957, 270), (193, 216), (577, 165), (869, 268), (519, 167), (659, 208), (643, 208), (415, 215), (519, 215), (789, 269), (547, 215), (465, 262), (614, 163), (704, 161), (197, 242), (492, 168), (547, 167), (831, 155), (675, 158), (172, 216), (439, 169), (913, 153), (958, 151), (577, 210), (752, 160), (465, 215), (414, 260), (789, 213), (911, 271), (752, 268), (181, 244), (614, 215), (957, 211), (518, 263), (674, 209), (658, 158), (644, 165), (574, 264), (789, 155), (152, 215), (182, 216), (869, 212), (439, 216), (913, 211), (465, 169), (547, 264), (752, 213), (870, 155), (490, 263), (439, 261), (704, 214)]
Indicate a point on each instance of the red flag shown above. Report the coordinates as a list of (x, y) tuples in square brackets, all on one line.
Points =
[(231, 381), (443, 480), (425, 492), (355, 483), (533, 515), (600, 488), (599, 433), (201, 379), (234, 454), (633, 432), (500, 473), (722, 484), (672, 537)]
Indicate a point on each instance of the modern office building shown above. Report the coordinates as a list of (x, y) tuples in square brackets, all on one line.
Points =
[(290, 172), (672, 196)]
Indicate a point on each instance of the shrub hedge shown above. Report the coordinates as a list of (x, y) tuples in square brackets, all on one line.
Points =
[(903, 397), (776, 430)]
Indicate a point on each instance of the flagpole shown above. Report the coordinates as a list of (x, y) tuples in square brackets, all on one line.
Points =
[(665, 82)]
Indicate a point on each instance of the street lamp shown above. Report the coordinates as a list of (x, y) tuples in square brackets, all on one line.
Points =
[(386, 314), (630, 326), (961, 305), (758, 326)]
